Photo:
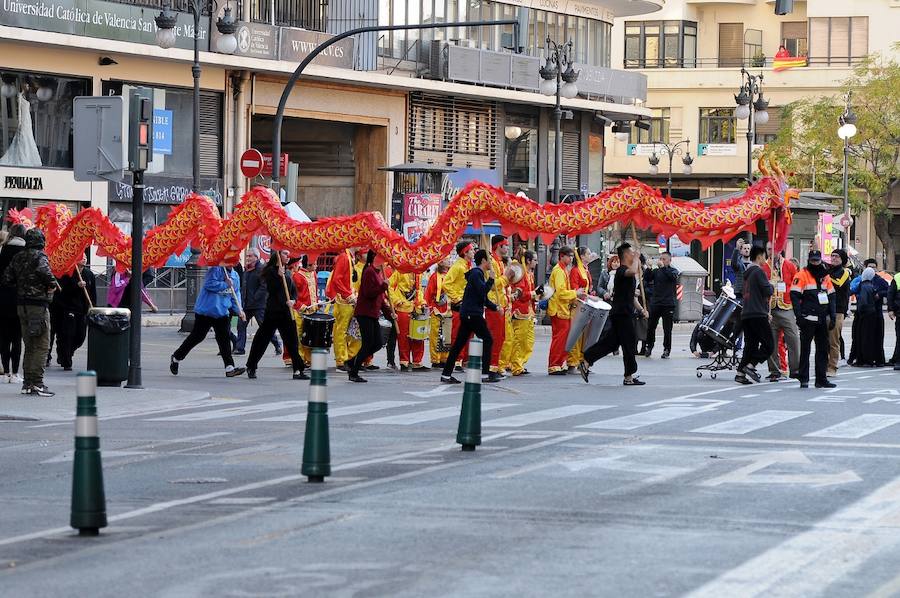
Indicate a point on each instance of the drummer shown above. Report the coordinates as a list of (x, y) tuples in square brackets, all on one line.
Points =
[(306, 303), (579, 278), (496, 320), (405, 294), (523, 298), (436, 300), (560, 312), (340, 289)]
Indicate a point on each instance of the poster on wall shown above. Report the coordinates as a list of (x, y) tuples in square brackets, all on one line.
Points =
[(420, 210), (454, 183), (825, 233)]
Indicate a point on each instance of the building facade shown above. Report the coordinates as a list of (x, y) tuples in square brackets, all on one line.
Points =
[(692, 52)]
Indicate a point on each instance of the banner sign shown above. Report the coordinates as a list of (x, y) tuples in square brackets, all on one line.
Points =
[(420, 210), (162, 132), (641, 149), (716, 149), (96, 18)]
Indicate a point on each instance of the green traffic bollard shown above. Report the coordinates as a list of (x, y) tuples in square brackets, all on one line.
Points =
[(88, 498), (469, 431), (316, 446)]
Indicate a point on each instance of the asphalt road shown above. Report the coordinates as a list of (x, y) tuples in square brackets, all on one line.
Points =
[(685, 486)]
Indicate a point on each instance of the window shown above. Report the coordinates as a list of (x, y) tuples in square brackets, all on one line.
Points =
[(793, 38), (731, 44), (521, 150), (717, 125), (659, 128), (305, 14), (36, 118), (768, 132), (753, 47), (838, 40), (660, 44)]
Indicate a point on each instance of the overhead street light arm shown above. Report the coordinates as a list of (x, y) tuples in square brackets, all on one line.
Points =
[(282, 103)]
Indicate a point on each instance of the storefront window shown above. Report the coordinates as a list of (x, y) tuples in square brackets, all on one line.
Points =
[(521, 150), (173, 143), (36, 118)]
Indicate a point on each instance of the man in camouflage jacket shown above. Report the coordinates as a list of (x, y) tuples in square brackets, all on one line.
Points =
[(29, 272)]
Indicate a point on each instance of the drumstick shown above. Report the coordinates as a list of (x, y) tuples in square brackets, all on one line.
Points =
[(641, 276), (287, 293), (84, 288)]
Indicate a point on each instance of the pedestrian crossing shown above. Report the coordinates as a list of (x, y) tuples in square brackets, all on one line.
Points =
[(703, 417)]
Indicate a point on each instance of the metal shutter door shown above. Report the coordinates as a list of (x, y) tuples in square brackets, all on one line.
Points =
[(818, 40), (210, 135), (859, 37), (571, 159)]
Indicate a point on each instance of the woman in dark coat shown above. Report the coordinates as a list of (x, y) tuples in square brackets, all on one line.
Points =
[(10, 329), (279, 316), (868, 309), (369, 305)]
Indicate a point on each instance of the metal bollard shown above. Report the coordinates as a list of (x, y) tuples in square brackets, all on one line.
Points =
[(88, 498), (316, 445), (469, 432)]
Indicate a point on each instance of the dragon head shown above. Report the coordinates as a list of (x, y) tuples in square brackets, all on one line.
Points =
[(781, 212)]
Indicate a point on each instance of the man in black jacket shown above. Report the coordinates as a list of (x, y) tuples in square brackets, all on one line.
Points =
[(77, 294), (758, 339), (840, 279), (663, 279), (893, 306), (471, 316), (812, 297), (253, 298)]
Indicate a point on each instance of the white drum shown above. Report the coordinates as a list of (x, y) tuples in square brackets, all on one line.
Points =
[(589, 320)]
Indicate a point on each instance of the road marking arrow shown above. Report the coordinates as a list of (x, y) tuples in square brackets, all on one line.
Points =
[(744, 475)]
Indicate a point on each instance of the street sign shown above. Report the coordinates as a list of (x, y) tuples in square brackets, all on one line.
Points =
[(846, 220), (99, 137), (661, 240), (252, 163), (267, 165)]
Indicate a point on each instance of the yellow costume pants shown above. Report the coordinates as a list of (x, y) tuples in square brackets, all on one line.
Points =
[(344, 346), (506, 352), (523, 344), (436, 356), (577, 352)]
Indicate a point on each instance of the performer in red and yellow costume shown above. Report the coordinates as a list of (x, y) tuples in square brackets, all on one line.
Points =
[(438, 304), (522, 314), (455, 286), (340, 289), (560, 311), (496, 320), (579, 278), (405, 293), (307, 302)]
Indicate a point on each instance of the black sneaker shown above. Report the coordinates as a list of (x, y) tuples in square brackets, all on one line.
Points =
[(742, 379), (235, 372), (238, 352), (584, 370), (560, 373), (173, 366), (40, 391), (775, 377), (251, 373), (751, 373), (492, 378), (458, 369), (804, 385), (826, 384), (449, 380), (342, 368), (358, 379), (665, 355), (633, 382), (420, 368), (372, 368), (300, 375)]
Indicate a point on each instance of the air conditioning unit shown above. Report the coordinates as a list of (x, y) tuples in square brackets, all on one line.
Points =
[(437, 60)]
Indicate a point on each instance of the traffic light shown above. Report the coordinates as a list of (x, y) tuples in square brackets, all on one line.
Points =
[(140, 129), (784, 7)]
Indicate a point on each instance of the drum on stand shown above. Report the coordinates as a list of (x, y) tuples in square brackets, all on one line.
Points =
[(723, 325), (445, 334), (589, 320), (318, 329), (418, 327)]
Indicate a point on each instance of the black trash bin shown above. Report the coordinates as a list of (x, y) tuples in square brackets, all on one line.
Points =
[(108, 344)]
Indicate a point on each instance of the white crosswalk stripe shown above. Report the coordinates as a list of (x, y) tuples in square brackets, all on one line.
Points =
[(751, 423), (857, 427), (645, 418), (418, 417), (342, 411), (231, 412), (534, 417)]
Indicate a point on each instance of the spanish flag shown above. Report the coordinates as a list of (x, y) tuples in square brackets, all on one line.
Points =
[(788, 62)]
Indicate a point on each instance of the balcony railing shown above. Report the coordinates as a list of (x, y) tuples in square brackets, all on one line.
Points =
[(176, 5), (712, 63), (303, 14)]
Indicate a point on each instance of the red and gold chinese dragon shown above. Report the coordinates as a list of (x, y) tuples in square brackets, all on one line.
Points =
[(221, 240)]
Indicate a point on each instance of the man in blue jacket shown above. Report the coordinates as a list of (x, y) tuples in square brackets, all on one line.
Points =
[(219, 298), (479, 282)]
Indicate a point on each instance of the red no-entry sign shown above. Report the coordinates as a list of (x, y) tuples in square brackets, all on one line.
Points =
[(251, 163)]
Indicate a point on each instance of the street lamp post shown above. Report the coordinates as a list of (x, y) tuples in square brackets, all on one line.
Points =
[(226, 44), (847, 130), (671, 151), (558, 77), (751, 105)]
